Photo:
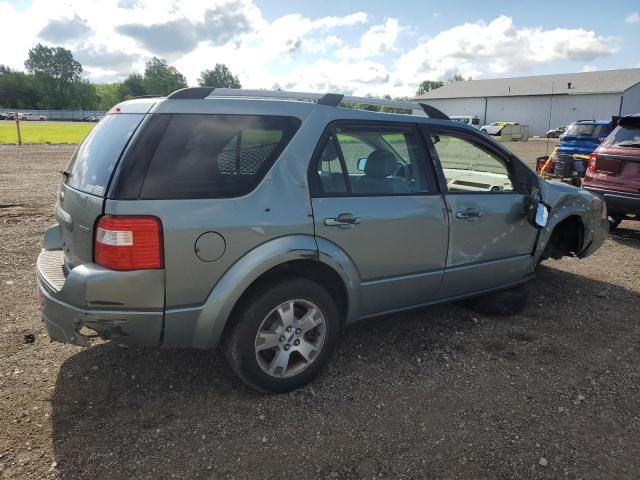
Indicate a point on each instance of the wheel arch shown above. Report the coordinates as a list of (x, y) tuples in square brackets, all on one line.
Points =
[(566, 237), (300, 255)]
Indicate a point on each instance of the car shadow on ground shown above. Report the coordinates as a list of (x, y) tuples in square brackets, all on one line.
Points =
[(396, 386), (626, 235)]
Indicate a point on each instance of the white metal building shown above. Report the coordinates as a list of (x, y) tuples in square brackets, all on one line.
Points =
[(542, 102)]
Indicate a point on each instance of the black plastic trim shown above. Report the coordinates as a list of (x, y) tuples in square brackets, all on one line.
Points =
[(191, 93), (331, 99), (433, 112)]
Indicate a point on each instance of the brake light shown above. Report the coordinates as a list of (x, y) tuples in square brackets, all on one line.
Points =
[(593, 158), (124, 242)]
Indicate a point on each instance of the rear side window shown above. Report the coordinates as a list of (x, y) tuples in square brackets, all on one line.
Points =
[(215, 156), (93, 162), (625, 137)]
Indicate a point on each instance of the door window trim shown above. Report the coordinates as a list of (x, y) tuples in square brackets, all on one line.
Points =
[(428, 132), (425, 164)]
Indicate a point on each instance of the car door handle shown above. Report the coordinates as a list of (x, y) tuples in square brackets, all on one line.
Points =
[(469, 214), (344, 219)]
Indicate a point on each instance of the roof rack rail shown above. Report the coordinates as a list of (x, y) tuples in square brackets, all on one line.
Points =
[(144, 96), (329, 99)]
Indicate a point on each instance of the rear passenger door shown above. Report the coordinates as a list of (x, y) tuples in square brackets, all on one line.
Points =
[(374, 196)]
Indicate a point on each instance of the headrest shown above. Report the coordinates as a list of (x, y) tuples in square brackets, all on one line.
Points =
[(380, 164)]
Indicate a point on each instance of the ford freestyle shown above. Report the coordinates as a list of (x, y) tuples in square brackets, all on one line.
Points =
[(267, 221)]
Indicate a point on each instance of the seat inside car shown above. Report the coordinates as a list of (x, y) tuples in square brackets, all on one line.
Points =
[(378, 171)]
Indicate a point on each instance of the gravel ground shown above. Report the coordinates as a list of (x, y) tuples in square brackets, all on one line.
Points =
[(438, 393)]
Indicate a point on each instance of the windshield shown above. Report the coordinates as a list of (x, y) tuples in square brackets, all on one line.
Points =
[(589, 129), (625, 137)]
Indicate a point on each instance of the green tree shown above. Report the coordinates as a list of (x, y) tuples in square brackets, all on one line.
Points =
[(219, 77), (134, 86), (55, 73), (17, 90), (428, 85), (110, 94), (82, 96), (160, 78)]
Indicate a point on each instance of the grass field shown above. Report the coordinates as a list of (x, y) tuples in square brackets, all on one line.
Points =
[(44, 132)]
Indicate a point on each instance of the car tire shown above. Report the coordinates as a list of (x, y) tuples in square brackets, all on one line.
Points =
[(268, 346), (504, 302)]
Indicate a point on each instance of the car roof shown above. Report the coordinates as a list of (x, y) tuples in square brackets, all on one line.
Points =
[(206, 100), (592, 122)]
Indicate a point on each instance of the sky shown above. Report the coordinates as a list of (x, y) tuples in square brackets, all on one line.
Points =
[(358, 47)]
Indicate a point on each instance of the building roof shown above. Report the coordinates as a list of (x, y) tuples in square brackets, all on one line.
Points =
[(605, 81)]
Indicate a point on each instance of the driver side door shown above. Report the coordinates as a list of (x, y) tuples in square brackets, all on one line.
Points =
[(491, 239)]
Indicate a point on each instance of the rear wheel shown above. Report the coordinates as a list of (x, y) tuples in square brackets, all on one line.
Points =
[(283, 335)]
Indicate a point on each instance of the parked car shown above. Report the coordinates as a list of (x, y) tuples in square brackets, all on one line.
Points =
[(496, 127), (4, 116), (267, 224), (614, 171), (31, 116), (581, 138), (556, 132), (471, 120)]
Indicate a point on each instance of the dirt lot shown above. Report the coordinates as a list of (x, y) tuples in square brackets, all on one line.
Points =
[(439, 393)]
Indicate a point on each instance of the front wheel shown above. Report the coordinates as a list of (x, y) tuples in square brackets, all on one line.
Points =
[(283, 335)]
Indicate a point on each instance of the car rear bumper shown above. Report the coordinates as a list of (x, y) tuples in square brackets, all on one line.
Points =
[(618, 202), (91, 297)]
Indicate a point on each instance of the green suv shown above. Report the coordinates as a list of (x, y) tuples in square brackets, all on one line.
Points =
[(267, 221)]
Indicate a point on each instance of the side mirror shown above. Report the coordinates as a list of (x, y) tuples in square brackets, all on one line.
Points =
[(537, 210), (362, 162), (542, 215)]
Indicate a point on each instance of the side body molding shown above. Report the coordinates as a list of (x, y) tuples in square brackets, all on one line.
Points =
[(202, 326)]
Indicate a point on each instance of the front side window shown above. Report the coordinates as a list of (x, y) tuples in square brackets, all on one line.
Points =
[(215, 156), (469, 167), (370, 161)]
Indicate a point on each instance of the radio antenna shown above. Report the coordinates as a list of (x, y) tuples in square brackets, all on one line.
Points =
[(546, 149)]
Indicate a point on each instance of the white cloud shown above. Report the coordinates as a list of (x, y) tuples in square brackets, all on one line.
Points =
[(496, 48), (113, 38), (633, 18), (378, 40)]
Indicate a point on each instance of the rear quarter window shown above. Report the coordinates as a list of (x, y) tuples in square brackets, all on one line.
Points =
[(215, 156), (93, 162), (625, 137)]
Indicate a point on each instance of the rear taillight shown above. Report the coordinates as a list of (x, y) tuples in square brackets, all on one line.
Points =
[(124, 242), (593, 158)]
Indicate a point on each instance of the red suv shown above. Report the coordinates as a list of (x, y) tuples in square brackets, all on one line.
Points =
[(614, 171)]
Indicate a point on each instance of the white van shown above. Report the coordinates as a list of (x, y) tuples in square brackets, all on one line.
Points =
[(472, 120)]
